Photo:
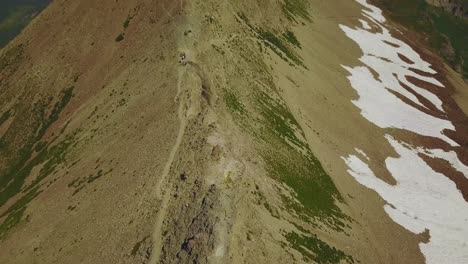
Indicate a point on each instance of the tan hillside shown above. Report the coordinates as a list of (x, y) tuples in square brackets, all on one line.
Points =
[(185, 131)]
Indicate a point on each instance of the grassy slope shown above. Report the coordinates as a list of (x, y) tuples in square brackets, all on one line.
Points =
[(281, 141), (22, 147), (444, 31)]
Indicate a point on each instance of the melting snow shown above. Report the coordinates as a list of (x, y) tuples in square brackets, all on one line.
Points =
[(378, 104), (373, 11), (360, 151), (422, 199), (449, 156), (386, 110), (365, 25), (381, 54)]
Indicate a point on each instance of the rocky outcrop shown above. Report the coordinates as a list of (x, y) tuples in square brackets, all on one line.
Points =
[(455, 7)]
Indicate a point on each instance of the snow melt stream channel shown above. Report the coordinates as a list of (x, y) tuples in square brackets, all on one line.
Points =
[(422, 199)]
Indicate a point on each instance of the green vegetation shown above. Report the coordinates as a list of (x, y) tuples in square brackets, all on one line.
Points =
[(312, 197), (4, 117), (289, 36), (232, 101), (295, 9), (11, 57), (314, 249), (54, 115), (34, 152), (290, 160), (120, 37), (293, 163), (276, 44), (15, 213), (281, 142), (80, 183), (127, 22), (446, 34), (280, 120), (11, 182), (280, 44), (51, 158)]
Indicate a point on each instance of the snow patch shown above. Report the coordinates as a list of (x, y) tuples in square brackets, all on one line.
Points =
[(385, 110), (364, 24), (422, 199), (449, 156), (377, 102), (360, 151), (373, 11)]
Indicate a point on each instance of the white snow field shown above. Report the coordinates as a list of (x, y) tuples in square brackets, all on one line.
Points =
[(376, 101), (423, 199)]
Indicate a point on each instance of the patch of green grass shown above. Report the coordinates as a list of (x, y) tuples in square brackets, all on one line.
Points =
[(80, 183), (233, 103), (119, 38), (314, 249), (12, 181), (126, 23), (279, 119), (296, 9), (52, 158), (11, 57), (15, 213), (292, 162), (40, 146), (442, 29), (279, 46), (287, 157), (4, 117), (289, 36), (277, 43), (13, 178), (66, 96)]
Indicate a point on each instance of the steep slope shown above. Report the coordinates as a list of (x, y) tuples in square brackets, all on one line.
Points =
[(90, 122), (229, 132), (445, 33)]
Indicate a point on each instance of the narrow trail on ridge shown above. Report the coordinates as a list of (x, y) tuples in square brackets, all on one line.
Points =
[(164, 196)]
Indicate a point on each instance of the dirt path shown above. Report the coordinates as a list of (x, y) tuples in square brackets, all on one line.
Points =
[(162, 195)]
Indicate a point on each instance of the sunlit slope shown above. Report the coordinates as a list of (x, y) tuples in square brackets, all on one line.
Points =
[(87, 122), (287, 131)]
